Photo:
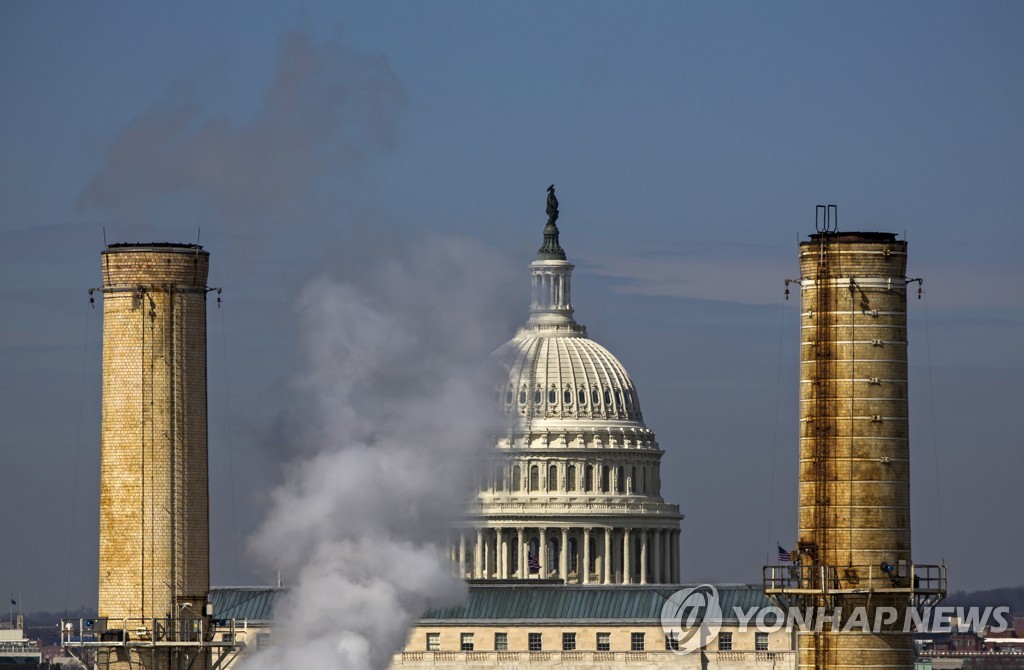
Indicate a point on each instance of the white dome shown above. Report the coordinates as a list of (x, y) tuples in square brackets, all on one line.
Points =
[(565, 376)]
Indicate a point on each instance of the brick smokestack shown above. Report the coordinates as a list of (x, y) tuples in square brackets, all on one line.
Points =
[(154, 491)]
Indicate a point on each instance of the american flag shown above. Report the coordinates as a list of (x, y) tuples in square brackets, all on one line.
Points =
[(532, 562), (784, 556)]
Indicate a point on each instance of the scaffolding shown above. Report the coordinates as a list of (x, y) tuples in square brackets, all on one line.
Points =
[(153, 643)]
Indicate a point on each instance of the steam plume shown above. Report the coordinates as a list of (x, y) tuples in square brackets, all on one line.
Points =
[(394, 413), (327, 109)]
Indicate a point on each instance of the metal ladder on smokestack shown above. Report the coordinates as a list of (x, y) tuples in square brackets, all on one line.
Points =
[(826, 220)]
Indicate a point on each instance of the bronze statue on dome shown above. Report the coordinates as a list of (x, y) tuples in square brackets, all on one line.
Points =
[(552, 208)]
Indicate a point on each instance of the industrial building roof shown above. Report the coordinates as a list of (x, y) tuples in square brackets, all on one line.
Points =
[(582, 603), (254, 603), (516, 601)]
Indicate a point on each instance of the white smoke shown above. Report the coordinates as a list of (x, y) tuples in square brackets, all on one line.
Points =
[(392, 415)]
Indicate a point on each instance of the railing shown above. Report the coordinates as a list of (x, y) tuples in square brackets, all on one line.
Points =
[(497, 658), (923, 580), (136, 632)]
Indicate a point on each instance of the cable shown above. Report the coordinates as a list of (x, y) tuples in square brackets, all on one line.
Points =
[(775, 431), (935, 446), (78, 454), (231, 461)]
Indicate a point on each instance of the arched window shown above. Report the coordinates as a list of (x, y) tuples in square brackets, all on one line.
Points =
[(517, 482), (646, 482), (605, 488), (618, 398), (620, 480), (509, 396), (570, 478), (588, 478), (499, 478), (607, 399), (534, 478), (522, 397), (595, 397), (552, 477), (582, 397), (567, 397), (552, 396), (632, 480)]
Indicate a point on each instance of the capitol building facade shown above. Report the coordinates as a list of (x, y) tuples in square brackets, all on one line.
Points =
[(574, 489)]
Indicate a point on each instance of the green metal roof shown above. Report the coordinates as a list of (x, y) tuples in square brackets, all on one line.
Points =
[(515, 601), (252, 603), (493, 602)]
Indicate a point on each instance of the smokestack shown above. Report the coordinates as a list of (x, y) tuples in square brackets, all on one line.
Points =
[(154, 500), (854, 547)]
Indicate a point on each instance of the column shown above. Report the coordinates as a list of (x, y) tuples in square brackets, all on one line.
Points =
[(563, 559), (607, 555), (666, 551), (499, 553), (462, 554), (478, 554), (586, 556), (520, 535), (542, 549), (627, 568), (675, 557), (656, 556), (643, 556)]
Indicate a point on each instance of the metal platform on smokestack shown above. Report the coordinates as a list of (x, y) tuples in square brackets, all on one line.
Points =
[(185, 638), (805, 586)]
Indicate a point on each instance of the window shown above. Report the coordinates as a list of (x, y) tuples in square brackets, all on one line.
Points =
[(536, 397), (607, 399), (632, 480), (499, 479), (501, 642), (588, 478), (517, 483), (636, 642), (604, 480), (570, 478), (573, 555), (552, 396), (618, 399), (433, 642), (595, 397), (582, 396), (672, 641), (568, 641), (534, 642), (620, 479), (534, 478), (466, 642), (604, 641), (567, 397), (509, 396), (725, 642), (552, 478), (262, 640), (522, 397), (760, 641)]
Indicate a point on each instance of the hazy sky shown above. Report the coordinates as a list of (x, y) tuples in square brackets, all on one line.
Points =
[(689, 144)]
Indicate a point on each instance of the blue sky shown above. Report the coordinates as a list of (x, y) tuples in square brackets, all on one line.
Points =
[(689, 142)]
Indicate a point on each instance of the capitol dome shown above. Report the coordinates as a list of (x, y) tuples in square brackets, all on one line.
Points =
[(567, 376), (573, 487)]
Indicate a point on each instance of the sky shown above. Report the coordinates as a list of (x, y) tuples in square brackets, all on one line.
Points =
[(689, 143)]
